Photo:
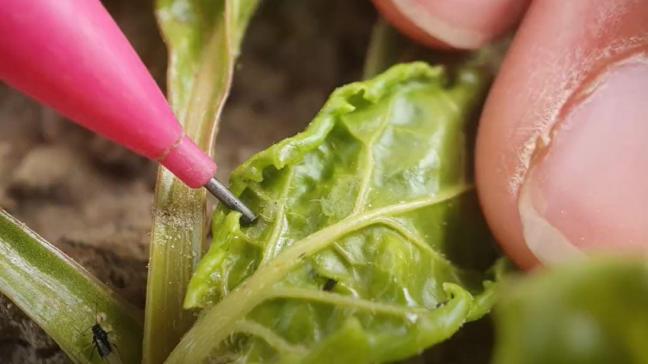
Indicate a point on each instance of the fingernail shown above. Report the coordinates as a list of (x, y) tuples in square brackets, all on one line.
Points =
[(587, 190)]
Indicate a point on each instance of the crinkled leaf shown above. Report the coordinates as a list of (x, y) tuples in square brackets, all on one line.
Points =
[(591, 312), (370, 246)]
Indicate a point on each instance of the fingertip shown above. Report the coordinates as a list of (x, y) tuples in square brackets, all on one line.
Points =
[(588, 186), (465, 24), (558, 149)]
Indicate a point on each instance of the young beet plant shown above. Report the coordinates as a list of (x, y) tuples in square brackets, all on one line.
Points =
[(369, 248), (203, 38)]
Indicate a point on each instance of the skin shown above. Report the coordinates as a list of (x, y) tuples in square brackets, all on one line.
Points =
[(562, 166)]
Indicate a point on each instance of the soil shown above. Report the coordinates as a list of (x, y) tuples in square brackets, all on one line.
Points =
[(93, 199)]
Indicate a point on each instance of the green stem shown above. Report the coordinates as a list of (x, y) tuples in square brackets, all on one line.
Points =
[(180, 221), (62, 297), (384, 47), (176, 240)]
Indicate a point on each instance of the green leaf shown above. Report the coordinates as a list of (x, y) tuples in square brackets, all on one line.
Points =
[(370, 246), (203, 38), (63, 298), (590, 312)]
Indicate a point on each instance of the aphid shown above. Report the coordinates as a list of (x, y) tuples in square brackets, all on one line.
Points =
[(329, 285), (100, 341)]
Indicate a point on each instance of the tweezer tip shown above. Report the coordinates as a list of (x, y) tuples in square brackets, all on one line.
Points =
[(226, 197)]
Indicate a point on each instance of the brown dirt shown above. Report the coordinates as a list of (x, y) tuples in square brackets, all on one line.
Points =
[(93, 200)]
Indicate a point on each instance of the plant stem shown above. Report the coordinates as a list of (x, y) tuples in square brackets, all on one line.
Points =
[(62, 297), (202, 53), (382, 51)]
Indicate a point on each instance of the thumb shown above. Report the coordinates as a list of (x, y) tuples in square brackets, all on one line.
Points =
[(562, 166)]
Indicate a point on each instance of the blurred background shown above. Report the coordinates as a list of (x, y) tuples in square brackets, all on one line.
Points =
[(93, 199)]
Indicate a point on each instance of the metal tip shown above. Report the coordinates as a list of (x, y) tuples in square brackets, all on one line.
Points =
[(227, 197)]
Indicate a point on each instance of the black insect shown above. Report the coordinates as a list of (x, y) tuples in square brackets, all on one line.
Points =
[(329, 285), (100, 341)]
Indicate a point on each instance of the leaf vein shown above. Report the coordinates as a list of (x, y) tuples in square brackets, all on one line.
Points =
[(410, 236), (369, 162), (279, 225), (346, 301), (269, 336)]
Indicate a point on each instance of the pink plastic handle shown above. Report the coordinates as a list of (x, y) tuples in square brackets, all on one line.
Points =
[(70, 55)]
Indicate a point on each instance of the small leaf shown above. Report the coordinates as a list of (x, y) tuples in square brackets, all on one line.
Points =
[(375, 195)]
